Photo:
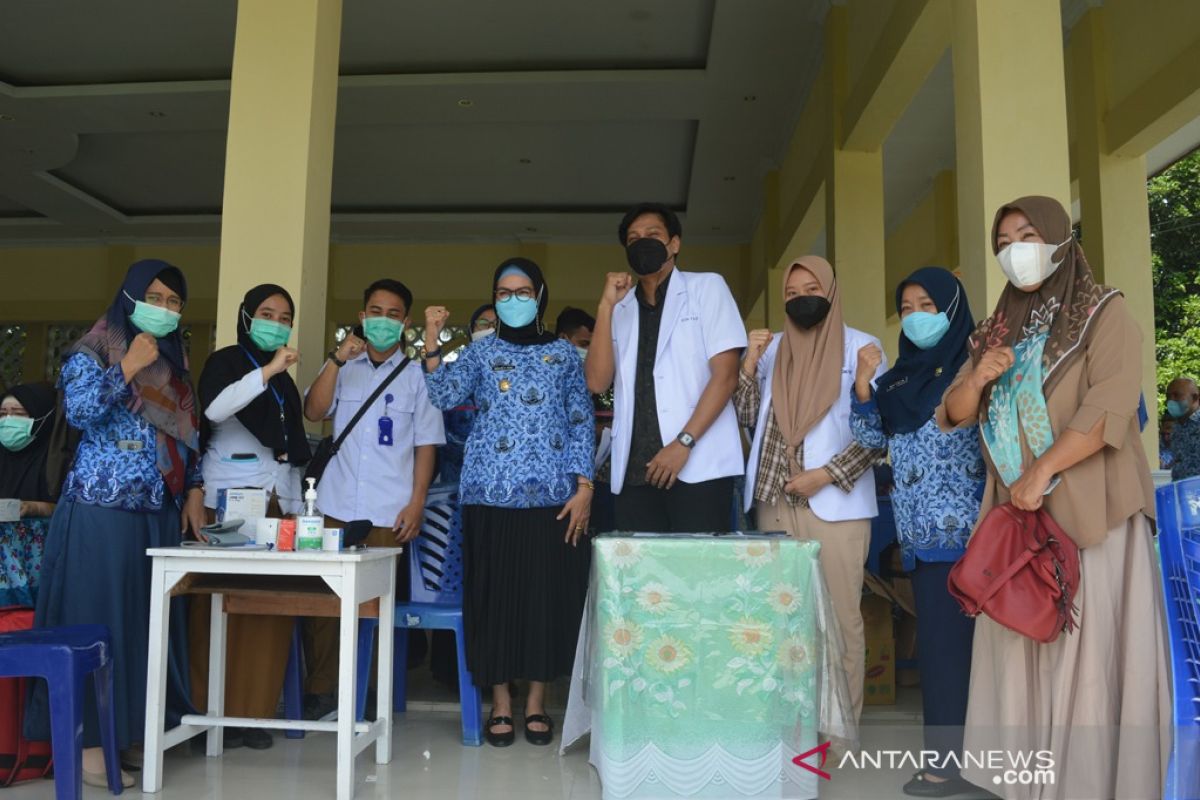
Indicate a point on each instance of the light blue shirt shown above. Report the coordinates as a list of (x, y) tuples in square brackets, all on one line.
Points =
[(367, 479)]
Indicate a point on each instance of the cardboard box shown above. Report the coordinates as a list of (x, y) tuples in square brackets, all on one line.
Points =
[(286, 537), (248, 505), (880, 679)]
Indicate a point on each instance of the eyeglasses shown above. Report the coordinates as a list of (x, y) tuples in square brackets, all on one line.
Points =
[(484, 324), (171, 302), (520, 294)]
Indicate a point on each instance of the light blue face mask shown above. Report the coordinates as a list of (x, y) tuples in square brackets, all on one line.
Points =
[(154, 320), (516, 312), (1177, 408), (924, 329)]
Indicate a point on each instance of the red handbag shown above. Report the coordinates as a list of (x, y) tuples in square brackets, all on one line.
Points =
[(1021, 570)]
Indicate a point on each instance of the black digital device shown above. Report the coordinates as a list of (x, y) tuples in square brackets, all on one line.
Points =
[(355, 533)]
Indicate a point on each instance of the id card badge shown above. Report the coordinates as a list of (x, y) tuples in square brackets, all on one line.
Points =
[(385, 431)]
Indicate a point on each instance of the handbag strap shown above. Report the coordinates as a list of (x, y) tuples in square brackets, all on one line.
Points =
[(337, 443), (1004, 577)]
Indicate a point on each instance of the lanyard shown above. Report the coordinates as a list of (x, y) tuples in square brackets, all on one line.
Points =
[(278, 398)]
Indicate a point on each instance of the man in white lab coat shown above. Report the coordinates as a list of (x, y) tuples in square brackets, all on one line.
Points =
[(670, 347)]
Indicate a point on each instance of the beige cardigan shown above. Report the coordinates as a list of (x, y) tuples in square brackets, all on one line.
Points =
[(1104, 490)]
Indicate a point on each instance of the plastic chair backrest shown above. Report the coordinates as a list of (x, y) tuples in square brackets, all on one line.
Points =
[(1179, 551), (435, 557)]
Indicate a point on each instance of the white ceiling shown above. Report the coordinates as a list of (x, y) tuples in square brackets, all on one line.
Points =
[(576, 110)]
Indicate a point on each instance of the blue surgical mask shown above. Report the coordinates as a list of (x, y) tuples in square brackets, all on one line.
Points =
[(383, 332), (154, 320), (516, 312), (1177, 408), (924, 329), (269, 335)]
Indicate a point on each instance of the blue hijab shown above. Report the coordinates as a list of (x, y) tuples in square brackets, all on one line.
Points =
[(908, 393)]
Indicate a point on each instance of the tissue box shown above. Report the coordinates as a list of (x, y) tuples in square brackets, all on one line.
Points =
[(246, 504), (333, 540), (10, 510)]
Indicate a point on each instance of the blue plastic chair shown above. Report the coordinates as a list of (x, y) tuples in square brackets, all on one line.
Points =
[(1179, 552), (436, 565), (64, 657), (293, 682)]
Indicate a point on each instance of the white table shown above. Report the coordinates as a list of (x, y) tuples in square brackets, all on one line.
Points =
[(354, 576)]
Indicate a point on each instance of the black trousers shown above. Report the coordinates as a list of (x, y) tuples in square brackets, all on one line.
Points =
[(944, 637), (684, 508)]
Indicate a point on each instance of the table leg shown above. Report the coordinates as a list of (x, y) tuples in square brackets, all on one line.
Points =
[(216, 674), (347, 673), (383, 680), (156, 681)]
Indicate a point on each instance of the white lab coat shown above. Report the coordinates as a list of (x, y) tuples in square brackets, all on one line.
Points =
[(825, 440), (700, 319)]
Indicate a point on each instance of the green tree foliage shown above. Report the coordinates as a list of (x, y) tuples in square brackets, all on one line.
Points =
[(1175, 247)]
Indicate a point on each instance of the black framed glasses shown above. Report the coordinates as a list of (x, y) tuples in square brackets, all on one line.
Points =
[(521, 294)]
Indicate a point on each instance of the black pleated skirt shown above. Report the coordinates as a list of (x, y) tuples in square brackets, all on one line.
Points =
[(523, 593)]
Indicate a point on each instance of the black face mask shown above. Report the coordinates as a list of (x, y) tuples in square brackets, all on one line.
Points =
[(808, 311), (646, 256)]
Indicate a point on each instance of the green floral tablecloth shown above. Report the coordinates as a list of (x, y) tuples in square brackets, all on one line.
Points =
[(706, 664)]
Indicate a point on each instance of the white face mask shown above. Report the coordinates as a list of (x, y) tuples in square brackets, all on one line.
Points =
[(582, 352), (482, 334), (1027, 264)]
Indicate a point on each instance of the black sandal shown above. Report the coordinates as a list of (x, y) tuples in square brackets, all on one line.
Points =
[(540, 738), (499, 739)]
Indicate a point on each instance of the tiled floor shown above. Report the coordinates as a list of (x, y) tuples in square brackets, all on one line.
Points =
[(430, 762)]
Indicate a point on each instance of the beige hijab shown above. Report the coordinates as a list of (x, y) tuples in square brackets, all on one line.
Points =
[(808, 365)]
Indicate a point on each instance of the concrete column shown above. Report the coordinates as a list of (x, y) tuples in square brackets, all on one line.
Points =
[(279, 164)]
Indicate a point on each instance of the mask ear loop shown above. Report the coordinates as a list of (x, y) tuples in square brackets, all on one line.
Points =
[(246, 320), (952, 310)]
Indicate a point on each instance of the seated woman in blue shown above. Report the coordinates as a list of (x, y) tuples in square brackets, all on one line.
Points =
[(526, 492), (135, 483), (939, 483)]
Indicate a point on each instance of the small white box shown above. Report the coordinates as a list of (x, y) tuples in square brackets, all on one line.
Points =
[(10, 510), (332, 540), (266, 531), (247, 504)]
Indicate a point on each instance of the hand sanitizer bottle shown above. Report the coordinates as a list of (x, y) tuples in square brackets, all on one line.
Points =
[(310, 528)]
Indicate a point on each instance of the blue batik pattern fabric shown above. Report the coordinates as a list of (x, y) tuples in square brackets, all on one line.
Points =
[(534, 431), (1185, 446), (116, 465), (939, 480)]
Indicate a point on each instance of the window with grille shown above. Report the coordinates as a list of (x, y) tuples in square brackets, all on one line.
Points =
[(12, 353), (59, 338)]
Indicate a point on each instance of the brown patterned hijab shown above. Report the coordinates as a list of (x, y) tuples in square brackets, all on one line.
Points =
[(808, 366), (1064, 305)]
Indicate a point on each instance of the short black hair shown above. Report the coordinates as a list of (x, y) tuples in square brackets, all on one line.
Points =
[(389, 285), (572, 319), (668, 217)]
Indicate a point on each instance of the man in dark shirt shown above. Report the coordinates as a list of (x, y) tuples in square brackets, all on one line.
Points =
[(671, 346)]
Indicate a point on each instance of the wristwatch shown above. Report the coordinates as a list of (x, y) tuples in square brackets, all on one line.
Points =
[(333, 357), (686, 439)]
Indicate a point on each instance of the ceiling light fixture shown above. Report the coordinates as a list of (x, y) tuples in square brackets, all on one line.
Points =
[(7, 118), (729, 178), (531, 229), (525, 160), (750, 98), (158, 114), (465, 103)]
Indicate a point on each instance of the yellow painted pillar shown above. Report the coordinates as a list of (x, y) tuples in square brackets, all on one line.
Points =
[(854, 223), (1010, 121), (279, 164), (1113, 202)]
